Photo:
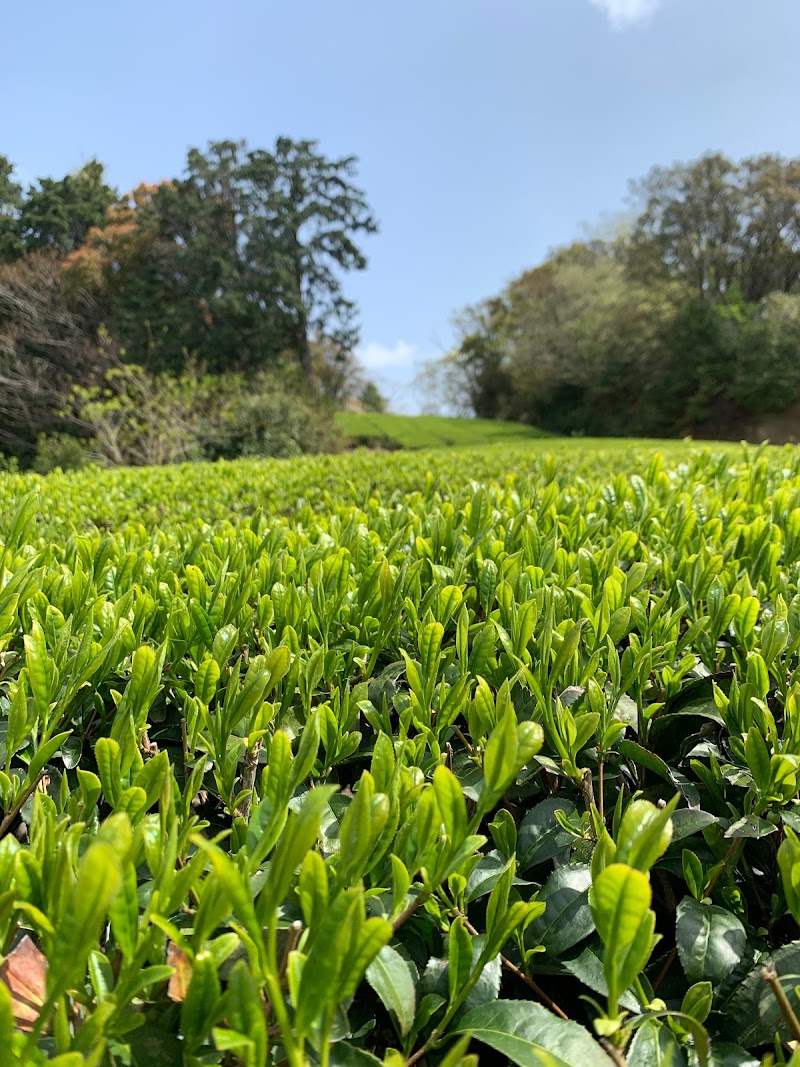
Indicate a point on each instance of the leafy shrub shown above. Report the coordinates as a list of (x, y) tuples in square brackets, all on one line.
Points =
[(371, 398), (138, 418), (261, 417), (356, 759), (59, 451)]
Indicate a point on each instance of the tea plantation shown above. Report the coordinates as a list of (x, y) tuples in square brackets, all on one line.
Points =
[(403, 758), (428, 431)]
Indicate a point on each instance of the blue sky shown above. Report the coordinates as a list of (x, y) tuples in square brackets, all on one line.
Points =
[(488, 131)]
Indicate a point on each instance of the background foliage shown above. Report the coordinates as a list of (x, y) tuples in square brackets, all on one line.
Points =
[(685, 321), (236, 268)]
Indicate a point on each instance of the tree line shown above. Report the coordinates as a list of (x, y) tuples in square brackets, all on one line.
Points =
[(686, 322), (234, 269)]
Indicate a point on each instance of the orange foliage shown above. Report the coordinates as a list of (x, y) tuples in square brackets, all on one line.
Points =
[(100, 263)]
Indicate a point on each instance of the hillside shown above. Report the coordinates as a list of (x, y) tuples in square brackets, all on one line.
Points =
[(428, 431)]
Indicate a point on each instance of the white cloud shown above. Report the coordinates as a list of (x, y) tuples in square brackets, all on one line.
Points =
[(622, 13), (394, 369), (377, 357)]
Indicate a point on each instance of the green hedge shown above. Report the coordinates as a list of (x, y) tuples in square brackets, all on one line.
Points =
[(403, 757)]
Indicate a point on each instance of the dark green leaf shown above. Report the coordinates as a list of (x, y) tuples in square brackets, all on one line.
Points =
[(531, 1036), (710, 941), (540, 837), (568, 918), (392, 977)]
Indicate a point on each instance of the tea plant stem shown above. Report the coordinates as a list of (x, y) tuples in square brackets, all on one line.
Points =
[(440, 1031), (12, 659), (462, 739), (249, 778), (529, 982), (662, 974), (7, 822), (293, 1054), (325, 1044), (405, 915), (587, 789), (770, 976), (292, 937), (616, 1054), (185, 745), (638, 989), (39, 1026), (736, 845), (417, 1055)]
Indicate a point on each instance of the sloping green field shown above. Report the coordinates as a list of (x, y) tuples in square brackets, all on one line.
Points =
[(428, 431)]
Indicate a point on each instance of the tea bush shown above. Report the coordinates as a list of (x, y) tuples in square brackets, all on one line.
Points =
[(138, 418), (403, 758)]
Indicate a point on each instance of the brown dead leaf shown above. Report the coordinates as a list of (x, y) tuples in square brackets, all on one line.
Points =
[(24, 971), (179, 982)]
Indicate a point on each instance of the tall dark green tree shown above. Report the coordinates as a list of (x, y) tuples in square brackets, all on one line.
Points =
[(58, 214), (10, 206), (238, 265), (688, 323), (245, 260), (371, 398), (716, 225), (189, 291), (302, 231), (482, 359)]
